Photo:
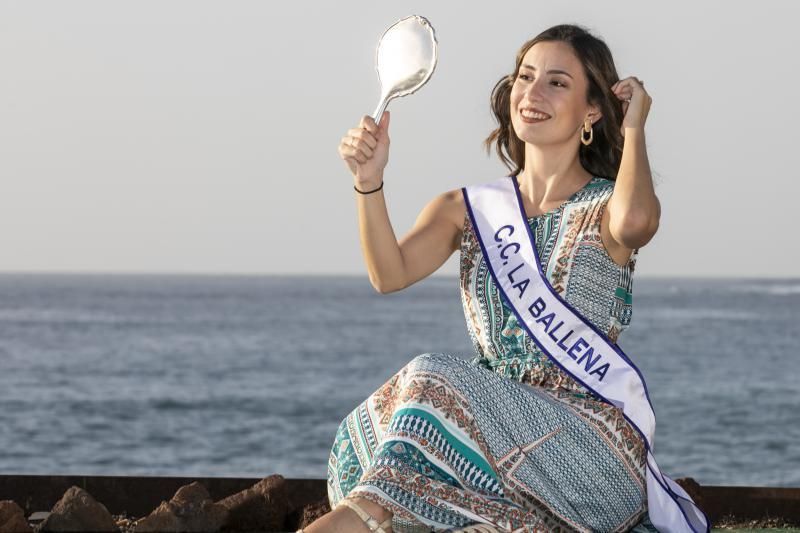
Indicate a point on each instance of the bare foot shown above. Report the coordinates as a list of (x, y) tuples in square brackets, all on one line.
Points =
[(345, 520)]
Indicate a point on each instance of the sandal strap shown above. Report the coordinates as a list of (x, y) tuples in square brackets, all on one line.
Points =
[(367, 518)]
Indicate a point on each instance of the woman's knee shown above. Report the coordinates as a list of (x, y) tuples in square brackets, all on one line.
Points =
[(428, 359)]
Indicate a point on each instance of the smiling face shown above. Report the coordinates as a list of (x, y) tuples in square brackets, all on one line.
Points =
[(550, 80)]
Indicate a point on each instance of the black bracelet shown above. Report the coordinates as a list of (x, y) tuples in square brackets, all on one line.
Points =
[(368, 192)]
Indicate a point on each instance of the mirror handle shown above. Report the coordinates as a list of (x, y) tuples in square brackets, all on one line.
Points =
[(378, 114)]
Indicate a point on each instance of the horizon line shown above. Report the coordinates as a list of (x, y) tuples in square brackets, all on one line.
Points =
[(167, 273)]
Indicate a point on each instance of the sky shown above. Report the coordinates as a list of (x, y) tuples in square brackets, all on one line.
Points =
[(178, 136)]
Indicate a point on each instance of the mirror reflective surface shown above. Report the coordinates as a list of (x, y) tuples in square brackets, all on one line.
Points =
[(405, 59)]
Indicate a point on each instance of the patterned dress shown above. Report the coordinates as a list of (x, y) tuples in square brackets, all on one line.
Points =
[(508, 438)]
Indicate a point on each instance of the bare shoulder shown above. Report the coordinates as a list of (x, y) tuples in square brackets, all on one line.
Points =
[(447, 207), (451, 205), (445, 212)]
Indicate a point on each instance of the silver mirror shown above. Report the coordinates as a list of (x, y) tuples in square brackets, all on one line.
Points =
[(405, 59)]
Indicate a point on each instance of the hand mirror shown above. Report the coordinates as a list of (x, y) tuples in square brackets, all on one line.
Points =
[(405, 59)]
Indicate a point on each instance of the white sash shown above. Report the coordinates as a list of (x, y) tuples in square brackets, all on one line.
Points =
[(569, 340)]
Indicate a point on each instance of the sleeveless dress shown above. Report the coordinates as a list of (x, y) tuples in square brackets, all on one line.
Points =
[(507, 438)]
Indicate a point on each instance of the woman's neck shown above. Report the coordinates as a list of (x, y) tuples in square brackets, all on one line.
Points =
[(551, 175)]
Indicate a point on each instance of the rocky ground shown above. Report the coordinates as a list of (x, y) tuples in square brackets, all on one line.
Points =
[(262, 507), (731, 523)]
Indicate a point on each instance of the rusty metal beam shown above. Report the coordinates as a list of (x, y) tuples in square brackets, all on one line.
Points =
[(137, 496)]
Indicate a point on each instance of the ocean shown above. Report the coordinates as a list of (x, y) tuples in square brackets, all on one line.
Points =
[(245, 376)]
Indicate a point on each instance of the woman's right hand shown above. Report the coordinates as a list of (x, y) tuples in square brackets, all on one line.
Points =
[(365, 150)]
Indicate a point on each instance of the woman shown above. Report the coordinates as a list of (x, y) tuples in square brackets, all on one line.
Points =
[(509, 440)]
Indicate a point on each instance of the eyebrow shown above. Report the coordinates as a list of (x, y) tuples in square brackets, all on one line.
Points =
[(553, 71)]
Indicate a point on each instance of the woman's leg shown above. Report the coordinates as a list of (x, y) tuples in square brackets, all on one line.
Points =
[(345, 520), (344, 471), (382, 436)]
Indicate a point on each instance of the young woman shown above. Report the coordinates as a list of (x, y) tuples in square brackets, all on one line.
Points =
[(510, 441)]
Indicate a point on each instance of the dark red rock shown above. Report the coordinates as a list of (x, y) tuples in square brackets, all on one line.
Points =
[(190, 510), (77, 510), (262, 507), (12, 518)]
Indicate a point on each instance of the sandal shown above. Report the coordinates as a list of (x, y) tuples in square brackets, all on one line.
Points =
[(370, 522)]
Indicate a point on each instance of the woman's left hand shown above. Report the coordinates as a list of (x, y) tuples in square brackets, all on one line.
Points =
[(635, 102)]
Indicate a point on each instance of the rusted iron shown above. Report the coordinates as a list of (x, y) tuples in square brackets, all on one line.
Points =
[(751, 503)]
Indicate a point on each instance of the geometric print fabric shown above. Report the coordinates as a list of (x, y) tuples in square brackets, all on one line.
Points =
[(506, 438)]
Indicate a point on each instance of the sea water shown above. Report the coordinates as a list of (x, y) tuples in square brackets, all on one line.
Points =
[(248, 376)]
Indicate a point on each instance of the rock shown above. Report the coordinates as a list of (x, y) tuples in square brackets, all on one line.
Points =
[(37, 517), (313, 511), (262, 507), (693, 489), (12, 518), (190, 510), (124, 523), (78, 511)]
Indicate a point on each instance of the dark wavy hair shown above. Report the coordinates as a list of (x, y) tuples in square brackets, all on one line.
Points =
[(603, 156)]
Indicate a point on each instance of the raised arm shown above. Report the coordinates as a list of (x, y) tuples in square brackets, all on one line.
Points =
[(632, 215), (394, 265)]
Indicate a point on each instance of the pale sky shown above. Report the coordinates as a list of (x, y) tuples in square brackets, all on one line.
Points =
[(200, 137)]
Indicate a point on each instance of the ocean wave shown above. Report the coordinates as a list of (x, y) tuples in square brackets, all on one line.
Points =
[(695, 313), (57, 316), (774, 289)]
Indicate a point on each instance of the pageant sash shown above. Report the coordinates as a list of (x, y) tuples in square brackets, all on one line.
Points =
[(570, 340)]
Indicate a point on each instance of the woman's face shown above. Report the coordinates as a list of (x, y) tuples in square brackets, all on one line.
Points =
[(550, 80)]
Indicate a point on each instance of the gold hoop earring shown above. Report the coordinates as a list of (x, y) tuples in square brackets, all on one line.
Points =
[(587, 127)]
